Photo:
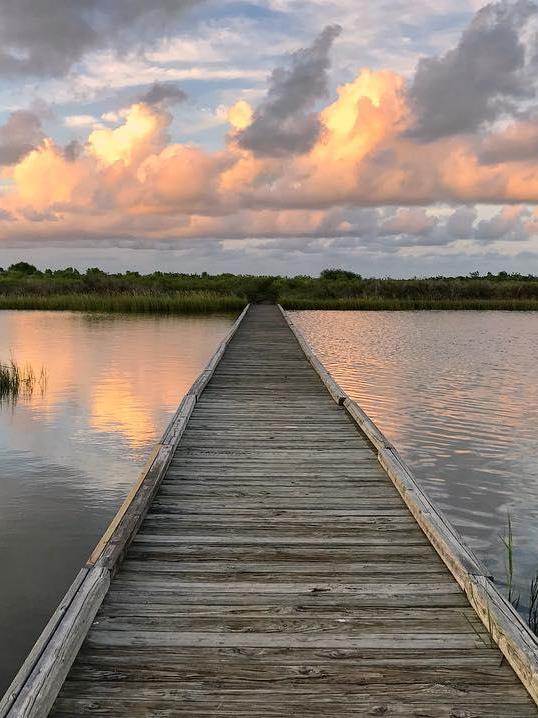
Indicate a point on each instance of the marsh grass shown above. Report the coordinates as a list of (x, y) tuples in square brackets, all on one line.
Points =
[(393, 304), (508, 542), (17, 380), (178, 303), (513, 598), (532, 616)]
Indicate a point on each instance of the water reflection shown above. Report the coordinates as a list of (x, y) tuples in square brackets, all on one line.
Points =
[(457, 392), (68, 455)]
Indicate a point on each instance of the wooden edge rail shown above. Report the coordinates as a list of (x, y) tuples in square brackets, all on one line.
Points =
[(39, 680), (503, 623), (337, 393)]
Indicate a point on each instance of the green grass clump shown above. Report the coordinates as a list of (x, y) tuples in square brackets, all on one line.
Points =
[(17, 380), (180, 303)]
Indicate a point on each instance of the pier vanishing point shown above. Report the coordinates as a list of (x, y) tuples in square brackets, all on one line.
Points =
[(277, 558)]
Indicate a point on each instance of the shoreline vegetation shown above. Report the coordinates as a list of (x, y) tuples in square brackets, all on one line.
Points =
[(147, 303), (17, 380), (22, 286)]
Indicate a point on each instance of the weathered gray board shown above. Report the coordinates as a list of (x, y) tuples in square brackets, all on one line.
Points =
[(277, 571)]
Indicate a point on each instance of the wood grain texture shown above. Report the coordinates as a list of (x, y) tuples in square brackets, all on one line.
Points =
[(278, 572)]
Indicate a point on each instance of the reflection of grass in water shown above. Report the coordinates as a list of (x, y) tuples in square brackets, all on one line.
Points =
[(17, 380)]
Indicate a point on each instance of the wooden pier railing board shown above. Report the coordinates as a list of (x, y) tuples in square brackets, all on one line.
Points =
[(275, 570)]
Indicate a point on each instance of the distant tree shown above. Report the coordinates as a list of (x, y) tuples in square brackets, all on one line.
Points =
[(23, 268), (474, 275), (335, 274)]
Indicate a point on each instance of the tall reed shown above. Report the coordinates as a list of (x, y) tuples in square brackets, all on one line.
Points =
[(17, 380), (178, 303), (532, 610), (508, 541), (395, 304)]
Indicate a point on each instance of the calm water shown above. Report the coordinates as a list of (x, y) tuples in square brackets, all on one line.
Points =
[(68, 457), (457, 392)]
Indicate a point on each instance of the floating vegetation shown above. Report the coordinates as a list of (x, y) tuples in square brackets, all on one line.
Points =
[(17, 381)]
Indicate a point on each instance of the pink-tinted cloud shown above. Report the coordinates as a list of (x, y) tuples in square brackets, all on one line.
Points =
[(132, 181)]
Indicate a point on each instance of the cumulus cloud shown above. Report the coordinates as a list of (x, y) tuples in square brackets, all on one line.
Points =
[(46, 38), (460, 224), (478, 80), (130, 181), (507, 224), (518, 142), (19, 135), (163, 93), (415, 221), (75, 121), (285, 123)]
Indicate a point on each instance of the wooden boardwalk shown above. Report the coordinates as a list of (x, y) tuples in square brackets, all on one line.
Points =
[(279, 573)]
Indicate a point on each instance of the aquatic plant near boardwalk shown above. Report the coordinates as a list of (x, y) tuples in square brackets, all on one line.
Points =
[(16, 380), (532, 611), (508, 541), (532, 616)]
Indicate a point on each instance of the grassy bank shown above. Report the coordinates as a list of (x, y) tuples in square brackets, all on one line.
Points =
[(22, 286), (388, 304), (193, 303)]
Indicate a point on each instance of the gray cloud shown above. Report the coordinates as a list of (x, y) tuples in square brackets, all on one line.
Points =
[(163, 93), (479, 79), (507, 226), (73, 150), (47, 37), (285, 123), (460, 224), (19, 135)]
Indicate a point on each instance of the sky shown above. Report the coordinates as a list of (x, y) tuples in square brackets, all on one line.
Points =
[(278, 136)]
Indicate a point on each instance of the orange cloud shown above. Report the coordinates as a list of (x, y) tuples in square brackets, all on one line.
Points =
[(130, 181), (141, 133)]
